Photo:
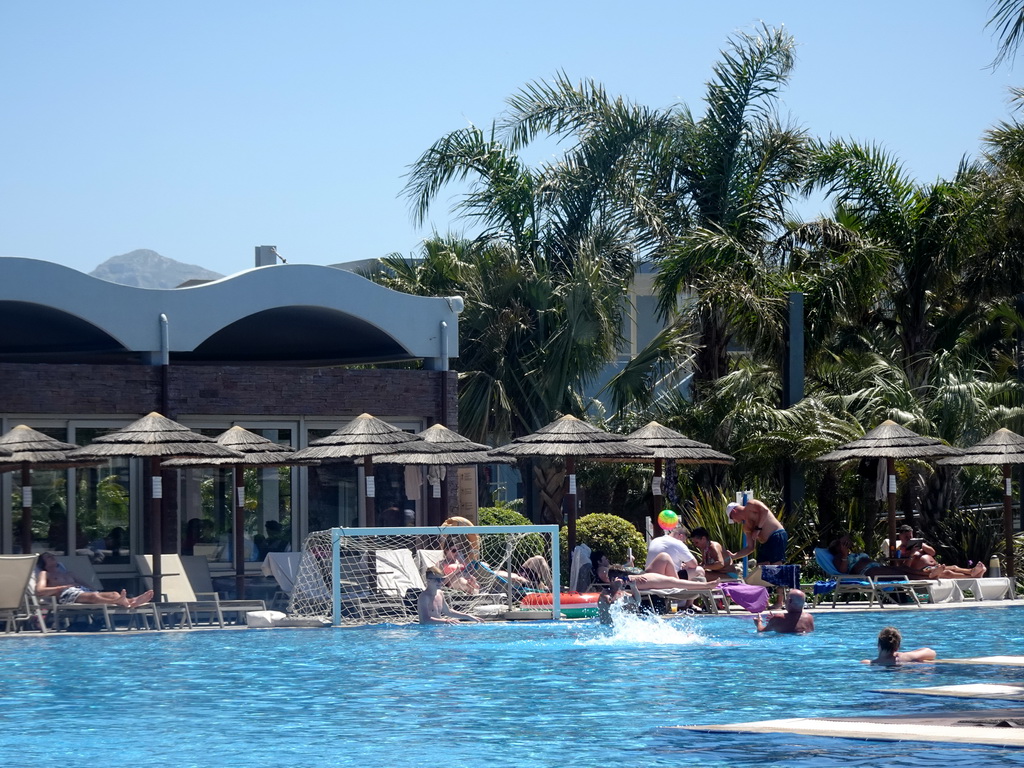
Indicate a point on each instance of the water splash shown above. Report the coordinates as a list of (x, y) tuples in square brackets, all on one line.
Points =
[(630, 630)]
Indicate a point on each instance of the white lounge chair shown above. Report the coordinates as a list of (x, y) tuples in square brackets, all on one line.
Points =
[(180, 597), (987, 588), (82, 569), (15, 606)]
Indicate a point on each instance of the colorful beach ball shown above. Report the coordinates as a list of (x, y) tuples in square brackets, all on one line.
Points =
[(668, 519)]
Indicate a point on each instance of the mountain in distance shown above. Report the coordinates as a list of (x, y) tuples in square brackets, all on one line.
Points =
[(148, 269)]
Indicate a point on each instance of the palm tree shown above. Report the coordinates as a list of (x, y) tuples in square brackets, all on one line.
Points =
[(923, 239), (1008, 19)]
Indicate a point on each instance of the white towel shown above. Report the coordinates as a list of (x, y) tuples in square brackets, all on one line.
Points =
[(413, 482)]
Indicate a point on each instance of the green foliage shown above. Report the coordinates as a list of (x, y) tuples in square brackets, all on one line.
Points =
[(966, 535), (609, 533), (494, 548)]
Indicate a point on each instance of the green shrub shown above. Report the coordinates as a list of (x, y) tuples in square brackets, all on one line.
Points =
[(493, 547), (609, 533)]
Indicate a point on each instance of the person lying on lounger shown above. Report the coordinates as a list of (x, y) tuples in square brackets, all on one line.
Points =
[(920, 561), (54, 580), (859, 563), (889, 653), (659, 574)]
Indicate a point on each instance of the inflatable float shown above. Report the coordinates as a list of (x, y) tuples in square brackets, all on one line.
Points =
[(573, 605)]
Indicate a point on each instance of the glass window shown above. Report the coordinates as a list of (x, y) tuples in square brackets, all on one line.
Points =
[(207, 507), (102, 504), (333, 492)]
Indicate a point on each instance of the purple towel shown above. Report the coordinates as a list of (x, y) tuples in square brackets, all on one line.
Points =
[(782, 575), (750, 596)]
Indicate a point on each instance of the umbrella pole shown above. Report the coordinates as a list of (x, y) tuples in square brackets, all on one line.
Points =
[(156, 524), (890, 471), (371, 492), (1008, 519), (26, 508), (656, 488), (570, 500), (239, 472)]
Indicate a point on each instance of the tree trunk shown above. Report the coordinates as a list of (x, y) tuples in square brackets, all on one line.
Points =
[(550, 477)]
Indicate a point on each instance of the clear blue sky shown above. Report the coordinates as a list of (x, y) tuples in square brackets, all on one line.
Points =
[(202, 129)]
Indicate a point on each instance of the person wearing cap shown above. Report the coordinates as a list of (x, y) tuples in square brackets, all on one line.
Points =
[(673, 544), (763, 531), (793, 622)]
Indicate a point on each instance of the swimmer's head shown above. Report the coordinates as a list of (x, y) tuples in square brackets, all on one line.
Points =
[(889, 640), (795, 600)]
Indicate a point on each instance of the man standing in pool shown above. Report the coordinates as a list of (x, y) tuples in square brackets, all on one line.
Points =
[(433, 608), (793, 622)]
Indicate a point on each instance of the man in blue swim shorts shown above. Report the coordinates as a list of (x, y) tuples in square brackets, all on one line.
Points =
[(763, 531)]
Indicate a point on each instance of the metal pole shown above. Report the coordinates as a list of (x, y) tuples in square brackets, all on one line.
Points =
[(1008, 522), (890, 471), (656, 485), (371, 492), (239, 472), (570, 499), (26, 509), (156, 524)]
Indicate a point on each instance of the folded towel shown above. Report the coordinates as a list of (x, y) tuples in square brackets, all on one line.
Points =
[(751, 597), (782, 575)]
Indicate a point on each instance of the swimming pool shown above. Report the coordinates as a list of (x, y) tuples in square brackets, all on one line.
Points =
[(523, 695)]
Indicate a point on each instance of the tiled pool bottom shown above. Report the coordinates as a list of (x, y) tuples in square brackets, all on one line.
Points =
[(537, 694)]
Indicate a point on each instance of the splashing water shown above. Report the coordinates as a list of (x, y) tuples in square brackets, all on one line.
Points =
[(631, 629)]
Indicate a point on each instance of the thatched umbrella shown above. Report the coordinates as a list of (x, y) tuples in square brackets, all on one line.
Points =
[(256, 451), (365, 437), (24, 448), (154, 437), (572, 439), (1004, 448), (456, 451), (890, 441), (669, 444)]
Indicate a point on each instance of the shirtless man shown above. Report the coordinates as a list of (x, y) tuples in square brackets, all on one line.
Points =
[(717, 563), (889, 653), (54, 580), (763, 530), (793, 622), (904, 537), (921, 562), (433, 608)]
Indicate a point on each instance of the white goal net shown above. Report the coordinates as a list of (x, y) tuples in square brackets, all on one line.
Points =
[(375, 575)]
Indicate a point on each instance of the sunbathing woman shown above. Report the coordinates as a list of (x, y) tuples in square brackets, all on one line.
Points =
[(659, 574), (54, 580)]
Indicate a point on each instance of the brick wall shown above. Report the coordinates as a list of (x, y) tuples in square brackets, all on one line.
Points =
[(134, 390)]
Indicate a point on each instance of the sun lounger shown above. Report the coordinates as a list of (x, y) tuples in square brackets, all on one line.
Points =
[(15, 607), (990, 588), (81, 567), (882, 588)]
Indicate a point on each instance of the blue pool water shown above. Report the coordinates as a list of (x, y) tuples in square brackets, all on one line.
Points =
[(522, 695)]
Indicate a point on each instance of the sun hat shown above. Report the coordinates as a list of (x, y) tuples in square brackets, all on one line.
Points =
[(729, 510)]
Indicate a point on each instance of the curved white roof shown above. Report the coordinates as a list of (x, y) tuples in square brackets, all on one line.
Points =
[(282, 313)]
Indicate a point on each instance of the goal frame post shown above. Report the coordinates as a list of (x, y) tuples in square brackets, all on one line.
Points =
[(340, 534)]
